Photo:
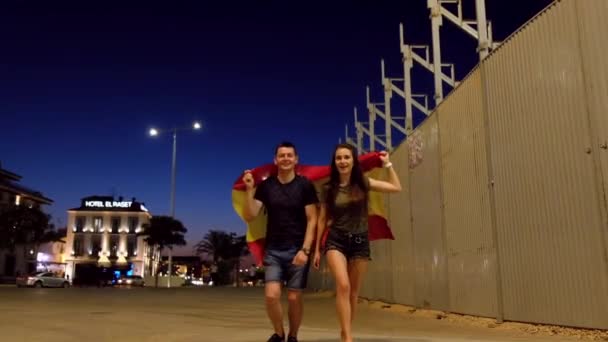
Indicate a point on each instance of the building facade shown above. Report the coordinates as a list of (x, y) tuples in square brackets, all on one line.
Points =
[(13, 193), (19, 259), (102, 233)]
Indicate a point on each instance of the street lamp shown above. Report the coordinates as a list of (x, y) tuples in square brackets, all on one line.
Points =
[(153, 132)]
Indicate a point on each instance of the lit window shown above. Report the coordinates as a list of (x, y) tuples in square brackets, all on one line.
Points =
[(132, 245), (78, 245), (115, 224), (97, 224), (133, 223), (80, 223)]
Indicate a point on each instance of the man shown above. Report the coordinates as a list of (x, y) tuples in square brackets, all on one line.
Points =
[(291, 204)]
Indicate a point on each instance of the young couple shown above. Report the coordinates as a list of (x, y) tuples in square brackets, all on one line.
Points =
[(297, 218)]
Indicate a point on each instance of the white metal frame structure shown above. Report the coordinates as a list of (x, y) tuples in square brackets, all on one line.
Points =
[(480, 29)]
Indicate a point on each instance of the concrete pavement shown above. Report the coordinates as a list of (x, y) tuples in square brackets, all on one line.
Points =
[(205, 314)]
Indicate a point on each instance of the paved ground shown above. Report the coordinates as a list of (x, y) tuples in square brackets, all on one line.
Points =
[(204, 314)]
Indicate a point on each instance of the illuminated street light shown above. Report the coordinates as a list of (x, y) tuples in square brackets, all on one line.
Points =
[(153, 133)]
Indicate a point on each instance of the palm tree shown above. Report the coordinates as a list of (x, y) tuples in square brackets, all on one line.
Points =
[(161, 232), (223, 247), (215, 244)]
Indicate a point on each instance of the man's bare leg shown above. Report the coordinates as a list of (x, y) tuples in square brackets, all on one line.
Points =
[(273, 306), (295, 312)]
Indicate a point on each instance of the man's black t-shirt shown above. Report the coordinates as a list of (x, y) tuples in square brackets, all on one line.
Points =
[(285, 205)]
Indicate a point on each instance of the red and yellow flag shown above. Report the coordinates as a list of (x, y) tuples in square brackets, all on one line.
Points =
[(319, 175)]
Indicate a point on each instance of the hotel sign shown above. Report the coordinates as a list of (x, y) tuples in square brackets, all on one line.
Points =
[(107, 204)]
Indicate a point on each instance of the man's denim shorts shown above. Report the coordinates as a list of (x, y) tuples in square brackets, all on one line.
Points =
[(278, 267)]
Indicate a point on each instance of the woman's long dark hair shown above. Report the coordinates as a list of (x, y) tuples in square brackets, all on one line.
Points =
[(359, 187)]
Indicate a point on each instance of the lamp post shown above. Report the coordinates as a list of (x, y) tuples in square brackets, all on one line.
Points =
[(153, 133)]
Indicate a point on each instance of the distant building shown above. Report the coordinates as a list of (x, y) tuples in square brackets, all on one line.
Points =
[(102, 233), (184, 266), (12, 193), (50, 256)]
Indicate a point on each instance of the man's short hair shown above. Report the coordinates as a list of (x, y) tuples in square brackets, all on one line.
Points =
[(286, 144)]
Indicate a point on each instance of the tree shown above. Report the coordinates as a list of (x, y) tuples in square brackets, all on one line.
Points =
[(21, 225), (163, 232), (54, 235), (215, 243), (226, 249), (26, 227)]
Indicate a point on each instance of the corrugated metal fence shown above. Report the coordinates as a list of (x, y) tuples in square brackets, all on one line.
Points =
[(505, 216)]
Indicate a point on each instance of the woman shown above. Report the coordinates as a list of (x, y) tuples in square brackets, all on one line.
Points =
[(344, 208)]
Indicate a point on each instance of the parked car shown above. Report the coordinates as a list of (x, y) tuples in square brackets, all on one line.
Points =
[(133, 280), (42, 279)]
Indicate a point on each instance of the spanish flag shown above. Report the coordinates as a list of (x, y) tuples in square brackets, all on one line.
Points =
[(319, 175)]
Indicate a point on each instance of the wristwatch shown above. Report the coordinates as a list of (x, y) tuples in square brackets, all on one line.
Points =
[(305, 250)]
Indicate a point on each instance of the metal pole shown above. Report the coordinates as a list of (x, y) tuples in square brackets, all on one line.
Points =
[(388, 93), (359, 134), (436, 21), (492, 194), (345, 133), (172, 210), (482, 29), (406, 51), (407, 85), (372, 117)]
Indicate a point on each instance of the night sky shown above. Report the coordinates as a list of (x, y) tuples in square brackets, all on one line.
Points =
[(82, 83)]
